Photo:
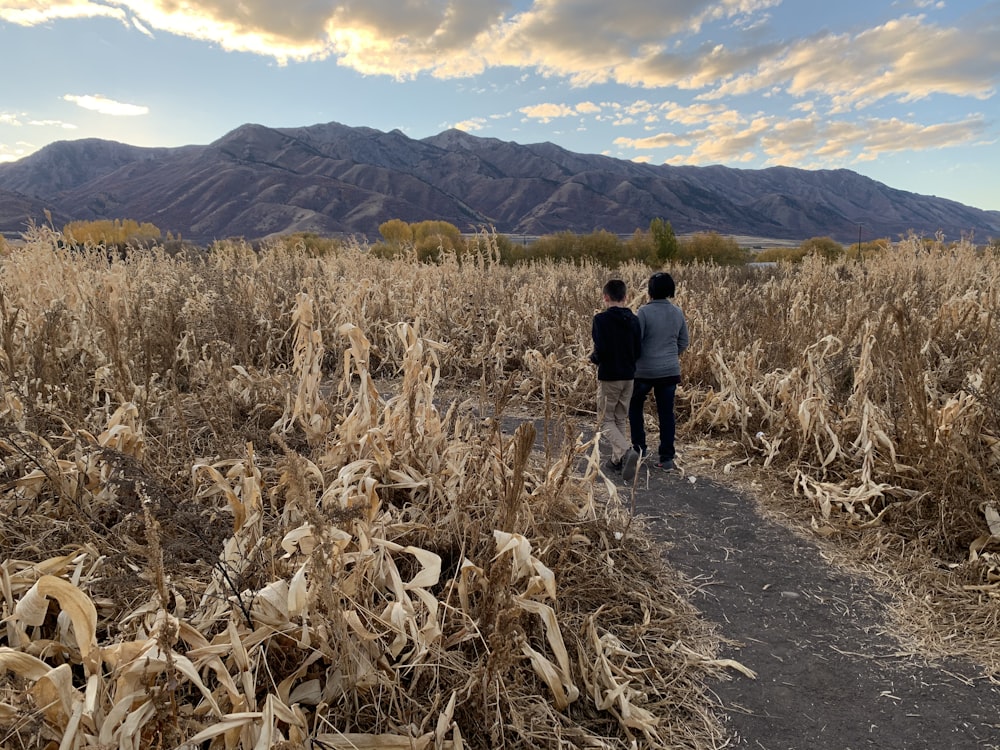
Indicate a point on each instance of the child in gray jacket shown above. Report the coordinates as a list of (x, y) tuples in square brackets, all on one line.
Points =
[(658, 369)]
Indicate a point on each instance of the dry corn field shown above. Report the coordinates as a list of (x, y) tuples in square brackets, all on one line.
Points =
[(239, 512)]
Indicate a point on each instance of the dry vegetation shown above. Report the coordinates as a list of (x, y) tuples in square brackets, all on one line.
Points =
[(238, 513)]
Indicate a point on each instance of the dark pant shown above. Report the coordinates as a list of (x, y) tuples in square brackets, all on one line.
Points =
[(664, 390)]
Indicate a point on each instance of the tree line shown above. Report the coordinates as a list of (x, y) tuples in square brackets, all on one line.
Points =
[(430, 241)]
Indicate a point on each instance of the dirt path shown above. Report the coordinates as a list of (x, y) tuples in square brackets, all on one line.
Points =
[(828, 676)]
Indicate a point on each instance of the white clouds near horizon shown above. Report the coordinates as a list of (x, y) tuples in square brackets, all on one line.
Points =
[(105, 106)]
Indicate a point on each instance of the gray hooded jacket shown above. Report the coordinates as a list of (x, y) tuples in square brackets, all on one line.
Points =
[(664, 338)]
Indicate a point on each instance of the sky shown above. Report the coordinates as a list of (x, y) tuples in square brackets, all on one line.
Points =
[(902, 91)]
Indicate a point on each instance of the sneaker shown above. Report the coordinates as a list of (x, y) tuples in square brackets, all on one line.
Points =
[(629, 462), (666, 464), (612, 467)]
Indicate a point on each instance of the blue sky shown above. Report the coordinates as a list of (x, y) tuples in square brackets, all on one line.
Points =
[(903, 91)]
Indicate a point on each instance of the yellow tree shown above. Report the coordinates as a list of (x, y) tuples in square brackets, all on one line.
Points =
[(433, 237), (110, 232), (711, 247), (445, 232), (396, 232)]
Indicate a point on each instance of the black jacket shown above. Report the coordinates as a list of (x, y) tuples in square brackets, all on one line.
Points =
[(617, 343)]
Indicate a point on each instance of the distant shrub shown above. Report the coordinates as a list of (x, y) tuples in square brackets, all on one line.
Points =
[(655, 247), (388, 250), (111, 233), (866, 249), (492, 245), (433, 238), (601, 246), (780, 255), (425, 240), (312, 243), (396, 232), (641, 246), (824, 247), (711, 247), (177, 248), (558, 246)]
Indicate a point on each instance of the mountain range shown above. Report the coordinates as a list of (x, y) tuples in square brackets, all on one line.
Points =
[(333, 179)]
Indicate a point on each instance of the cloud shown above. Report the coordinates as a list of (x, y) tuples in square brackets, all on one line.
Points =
[(590, 40), (376, 36), (15, 152), (288, 30), (545, 113), (105, 106), (53, 124), (698, 113), (903, 59), (658, 141), (471, 125), (140, 27), (641, 43), (28, 13), (810, 142), (11, 119), (445, 38)]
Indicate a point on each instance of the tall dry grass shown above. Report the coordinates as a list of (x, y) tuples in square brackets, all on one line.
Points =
[(218, 532), (873, 386), (872, 390), (218, 527)]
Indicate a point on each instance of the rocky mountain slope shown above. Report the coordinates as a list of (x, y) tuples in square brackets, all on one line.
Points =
[(334, 179)]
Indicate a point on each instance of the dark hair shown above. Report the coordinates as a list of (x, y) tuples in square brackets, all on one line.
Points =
[(615, 289), (661, 286)]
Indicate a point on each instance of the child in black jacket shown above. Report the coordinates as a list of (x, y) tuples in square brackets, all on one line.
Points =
[(617, 341)]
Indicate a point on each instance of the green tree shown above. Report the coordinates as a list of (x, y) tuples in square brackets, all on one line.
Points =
[(664, 240)]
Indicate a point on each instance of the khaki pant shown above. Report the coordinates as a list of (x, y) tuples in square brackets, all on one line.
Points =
[(612, 414)]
